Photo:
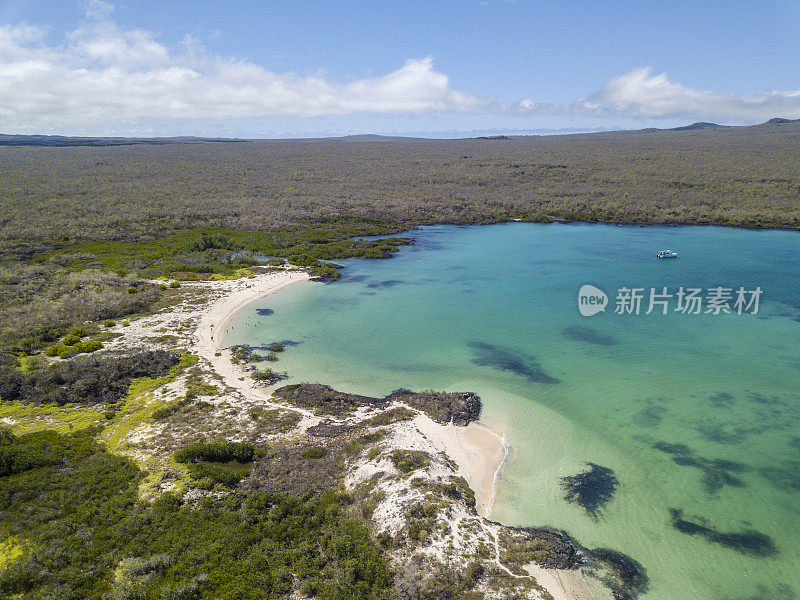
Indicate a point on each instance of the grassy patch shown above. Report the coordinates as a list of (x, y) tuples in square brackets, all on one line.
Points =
[(138, 406), (10, 550), (25, 418)]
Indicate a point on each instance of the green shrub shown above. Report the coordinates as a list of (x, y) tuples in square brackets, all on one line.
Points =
[(88, 346), (200, 389), (78, 509), (408, 461), (174, 284), (109, 323), (216, 473), (133, 290), (218, 452), (55, 349), (67, 351), (315, 453), (71, 340), (166, 411)]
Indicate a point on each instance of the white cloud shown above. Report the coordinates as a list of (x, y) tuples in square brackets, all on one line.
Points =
[(104, 74), (101, 75), (639, 93)]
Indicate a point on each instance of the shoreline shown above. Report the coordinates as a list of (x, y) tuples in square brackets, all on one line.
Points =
[(479, 452)]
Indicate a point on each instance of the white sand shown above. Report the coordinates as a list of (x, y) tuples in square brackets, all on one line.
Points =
[(565, 585), (207, 341), (477, 450)]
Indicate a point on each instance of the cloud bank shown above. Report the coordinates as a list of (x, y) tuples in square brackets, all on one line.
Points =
[(103, 74)]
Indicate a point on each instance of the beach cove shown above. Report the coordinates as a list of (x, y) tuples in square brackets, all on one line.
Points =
[(687, 441)]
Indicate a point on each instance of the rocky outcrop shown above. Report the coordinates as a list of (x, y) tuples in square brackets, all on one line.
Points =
[(459, 408)]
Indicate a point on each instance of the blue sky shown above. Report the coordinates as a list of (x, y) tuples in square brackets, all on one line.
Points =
[(272, 69)]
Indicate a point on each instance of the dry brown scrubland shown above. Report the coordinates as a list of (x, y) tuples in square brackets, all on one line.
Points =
[(742, 176)]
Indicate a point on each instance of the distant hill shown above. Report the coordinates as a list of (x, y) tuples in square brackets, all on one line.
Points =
[(779, 121), (696, 126), (369, 137), (66, 141)]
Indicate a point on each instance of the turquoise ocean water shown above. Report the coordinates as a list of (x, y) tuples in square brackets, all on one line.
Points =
[(693, 413)]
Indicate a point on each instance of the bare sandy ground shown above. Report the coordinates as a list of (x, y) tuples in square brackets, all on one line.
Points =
[(478, 451), (565, 585)]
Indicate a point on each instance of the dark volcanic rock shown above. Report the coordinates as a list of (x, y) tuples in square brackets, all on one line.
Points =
[(324, 399), (459, 408), (560, 551), (625, 577)]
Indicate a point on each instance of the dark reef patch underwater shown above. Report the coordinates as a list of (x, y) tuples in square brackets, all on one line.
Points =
[(591, 489), (625, 577), (505, 359), (717, 472), (749, 541)]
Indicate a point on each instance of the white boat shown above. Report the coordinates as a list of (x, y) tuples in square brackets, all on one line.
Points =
[(667, 254)]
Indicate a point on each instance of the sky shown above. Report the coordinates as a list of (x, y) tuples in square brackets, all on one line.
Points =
[(437, 68)]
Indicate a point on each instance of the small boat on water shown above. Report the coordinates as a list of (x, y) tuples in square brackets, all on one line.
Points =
[(667, 254)]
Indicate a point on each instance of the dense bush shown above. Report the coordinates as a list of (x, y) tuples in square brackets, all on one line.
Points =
[(40, 303), (86, 380), (217, 452), (408, 461), (86, 536), (736, 175)]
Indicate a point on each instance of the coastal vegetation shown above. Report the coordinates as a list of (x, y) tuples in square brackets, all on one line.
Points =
[(85, 380), (73, 508), (743, 176)]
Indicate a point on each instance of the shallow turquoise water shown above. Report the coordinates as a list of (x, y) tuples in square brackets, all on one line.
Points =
[(494, 310)]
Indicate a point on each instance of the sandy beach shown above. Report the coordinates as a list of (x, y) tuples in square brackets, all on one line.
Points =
[(478, 452)]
